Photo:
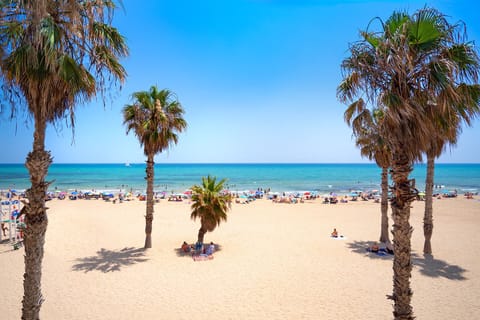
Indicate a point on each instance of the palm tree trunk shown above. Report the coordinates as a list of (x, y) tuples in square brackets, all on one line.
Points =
[(384, 237), (201, 234), (428, 217), (36, 221), (149, 214), (403, 195)]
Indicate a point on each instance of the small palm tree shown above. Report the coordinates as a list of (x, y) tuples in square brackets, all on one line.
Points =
[(366, 125), (210, 205), (156, 117), (53, 55)]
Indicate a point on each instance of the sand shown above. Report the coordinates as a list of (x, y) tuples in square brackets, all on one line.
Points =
[(275, 261)]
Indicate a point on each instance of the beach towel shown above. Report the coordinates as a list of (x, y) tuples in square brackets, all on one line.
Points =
[(380, 252), (201, 257)]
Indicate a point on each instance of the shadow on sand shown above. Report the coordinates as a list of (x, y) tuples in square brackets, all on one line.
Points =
[(429, 266), (109, 260), (181, 253)]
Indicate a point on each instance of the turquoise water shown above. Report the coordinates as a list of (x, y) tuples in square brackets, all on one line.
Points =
[(278, 177)]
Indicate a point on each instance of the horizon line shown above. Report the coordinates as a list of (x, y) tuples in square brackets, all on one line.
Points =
[(209, 163)]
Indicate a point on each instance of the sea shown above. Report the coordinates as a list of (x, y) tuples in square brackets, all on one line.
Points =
[(276, 177)]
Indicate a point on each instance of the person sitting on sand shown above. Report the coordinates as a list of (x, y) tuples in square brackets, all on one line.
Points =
[(334, 233), (198, 247), (210, 249), (185, 247)]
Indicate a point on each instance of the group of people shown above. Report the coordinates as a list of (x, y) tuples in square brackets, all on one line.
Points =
[(375, 248), (199, 249)]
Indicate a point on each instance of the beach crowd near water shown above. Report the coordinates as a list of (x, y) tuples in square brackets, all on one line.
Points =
[(246, 196)]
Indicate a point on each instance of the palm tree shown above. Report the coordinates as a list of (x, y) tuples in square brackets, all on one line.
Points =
[(156, 117), (53, 55), (209, 204), (365, 126), (447, 129), (400, 71)]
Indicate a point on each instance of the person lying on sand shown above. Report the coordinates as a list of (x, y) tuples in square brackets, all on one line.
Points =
[(375, 248), (389, 248)]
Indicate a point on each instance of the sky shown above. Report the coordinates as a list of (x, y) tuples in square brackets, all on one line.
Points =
[(257, 80)]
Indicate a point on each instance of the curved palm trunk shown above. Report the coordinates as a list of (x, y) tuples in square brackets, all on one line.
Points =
[(149, 213), (384, 237), (403, 196), (201, 234), (428, 216), (36, 221)]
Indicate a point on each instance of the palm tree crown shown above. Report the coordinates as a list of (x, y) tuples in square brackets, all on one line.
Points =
[(405, 68), (67, 58), (156, 117)]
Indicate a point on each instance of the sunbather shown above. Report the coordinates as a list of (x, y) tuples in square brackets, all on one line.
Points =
[(334, 233), (186, 247), (374, 248), (210, 249)]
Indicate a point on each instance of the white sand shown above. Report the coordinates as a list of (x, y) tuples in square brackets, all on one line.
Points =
[(276, 261)]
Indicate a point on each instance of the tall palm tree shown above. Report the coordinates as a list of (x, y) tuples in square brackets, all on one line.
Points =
[(447, 129), (209, 204), (156, 117), (400, 70), (53, 55), (365, 125)]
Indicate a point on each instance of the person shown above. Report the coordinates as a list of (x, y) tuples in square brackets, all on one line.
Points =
[(185, 247), (374, 247), (4, 228), (198, 247), (389, 248), (334, 233), (210, 249)]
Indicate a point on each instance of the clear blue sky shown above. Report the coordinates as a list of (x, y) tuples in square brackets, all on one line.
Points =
[(257, 79)]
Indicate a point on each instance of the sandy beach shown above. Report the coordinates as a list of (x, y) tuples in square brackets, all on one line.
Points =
[(274, 261)]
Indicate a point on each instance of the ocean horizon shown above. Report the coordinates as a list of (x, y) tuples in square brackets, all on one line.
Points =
[(280, 177)]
